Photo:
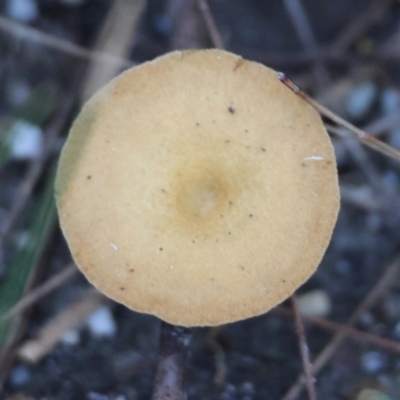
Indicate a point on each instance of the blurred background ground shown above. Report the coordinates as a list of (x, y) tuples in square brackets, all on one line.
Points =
[(344, 53)]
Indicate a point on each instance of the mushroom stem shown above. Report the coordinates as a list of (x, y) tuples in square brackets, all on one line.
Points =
[(168, 382)]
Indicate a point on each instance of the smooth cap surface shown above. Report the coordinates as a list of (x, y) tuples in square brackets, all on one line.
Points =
[(198, 188)]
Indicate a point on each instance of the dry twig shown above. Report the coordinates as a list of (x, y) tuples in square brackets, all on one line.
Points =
[(211, 25), (387, 279), (304, 31), (365, 337), (28, 33), (304, 351), (38, 293), (358, 133)]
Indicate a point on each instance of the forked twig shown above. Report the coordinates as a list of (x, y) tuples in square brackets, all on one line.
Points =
[(323, 323), (304, 352), (42, 290), (211, 25), (388, 278), (358, 133)]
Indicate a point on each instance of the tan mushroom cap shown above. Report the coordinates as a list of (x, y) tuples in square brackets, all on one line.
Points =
[(197, 188)]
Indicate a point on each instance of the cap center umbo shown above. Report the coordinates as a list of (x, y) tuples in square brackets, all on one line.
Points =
[(202, 195)]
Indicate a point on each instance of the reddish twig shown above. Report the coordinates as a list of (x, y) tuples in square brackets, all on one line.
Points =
[(304, 352), (388, 278), (358, 133), (211, 25), (38, 293), (385, 344), (168, 382)]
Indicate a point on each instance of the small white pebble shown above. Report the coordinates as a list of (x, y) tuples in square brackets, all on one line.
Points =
[(22, 10), (373, 362), (101, 323), (372, 394), (390, 100), (315, 303), (26, 141), (19, 375), (18, 92), (24, 240), (360, 99), (71, 337), (96, 396), (114, 246), (314, 158), (171, 266)]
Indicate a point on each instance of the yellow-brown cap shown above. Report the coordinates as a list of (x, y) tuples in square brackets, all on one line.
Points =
[(198, 188)]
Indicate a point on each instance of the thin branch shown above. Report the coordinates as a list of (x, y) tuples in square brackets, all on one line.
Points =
[(357, 26), (360, 157), (304, 351), (23, 32), (388, 278), (304, 31), (41, 291), (323, 323), (358, 133), (211, 25)]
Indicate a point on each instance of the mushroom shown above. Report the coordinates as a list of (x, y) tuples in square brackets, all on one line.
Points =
[(197, 188)]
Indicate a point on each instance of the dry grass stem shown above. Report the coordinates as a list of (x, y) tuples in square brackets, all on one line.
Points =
[(304, 351), (211, 25), (23, 32), (358, 133), (115, 39), (32, 351), (357, 26), (43, 290), (299, 17)]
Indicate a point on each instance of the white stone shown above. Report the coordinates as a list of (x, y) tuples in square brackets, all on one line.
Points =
[(101, 323), (372, 394), (18, 92), (315, 303), (19, 375), (71, 337), (360, 99), (22, 10), (26, 141), (390, 100), (373, 362)]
